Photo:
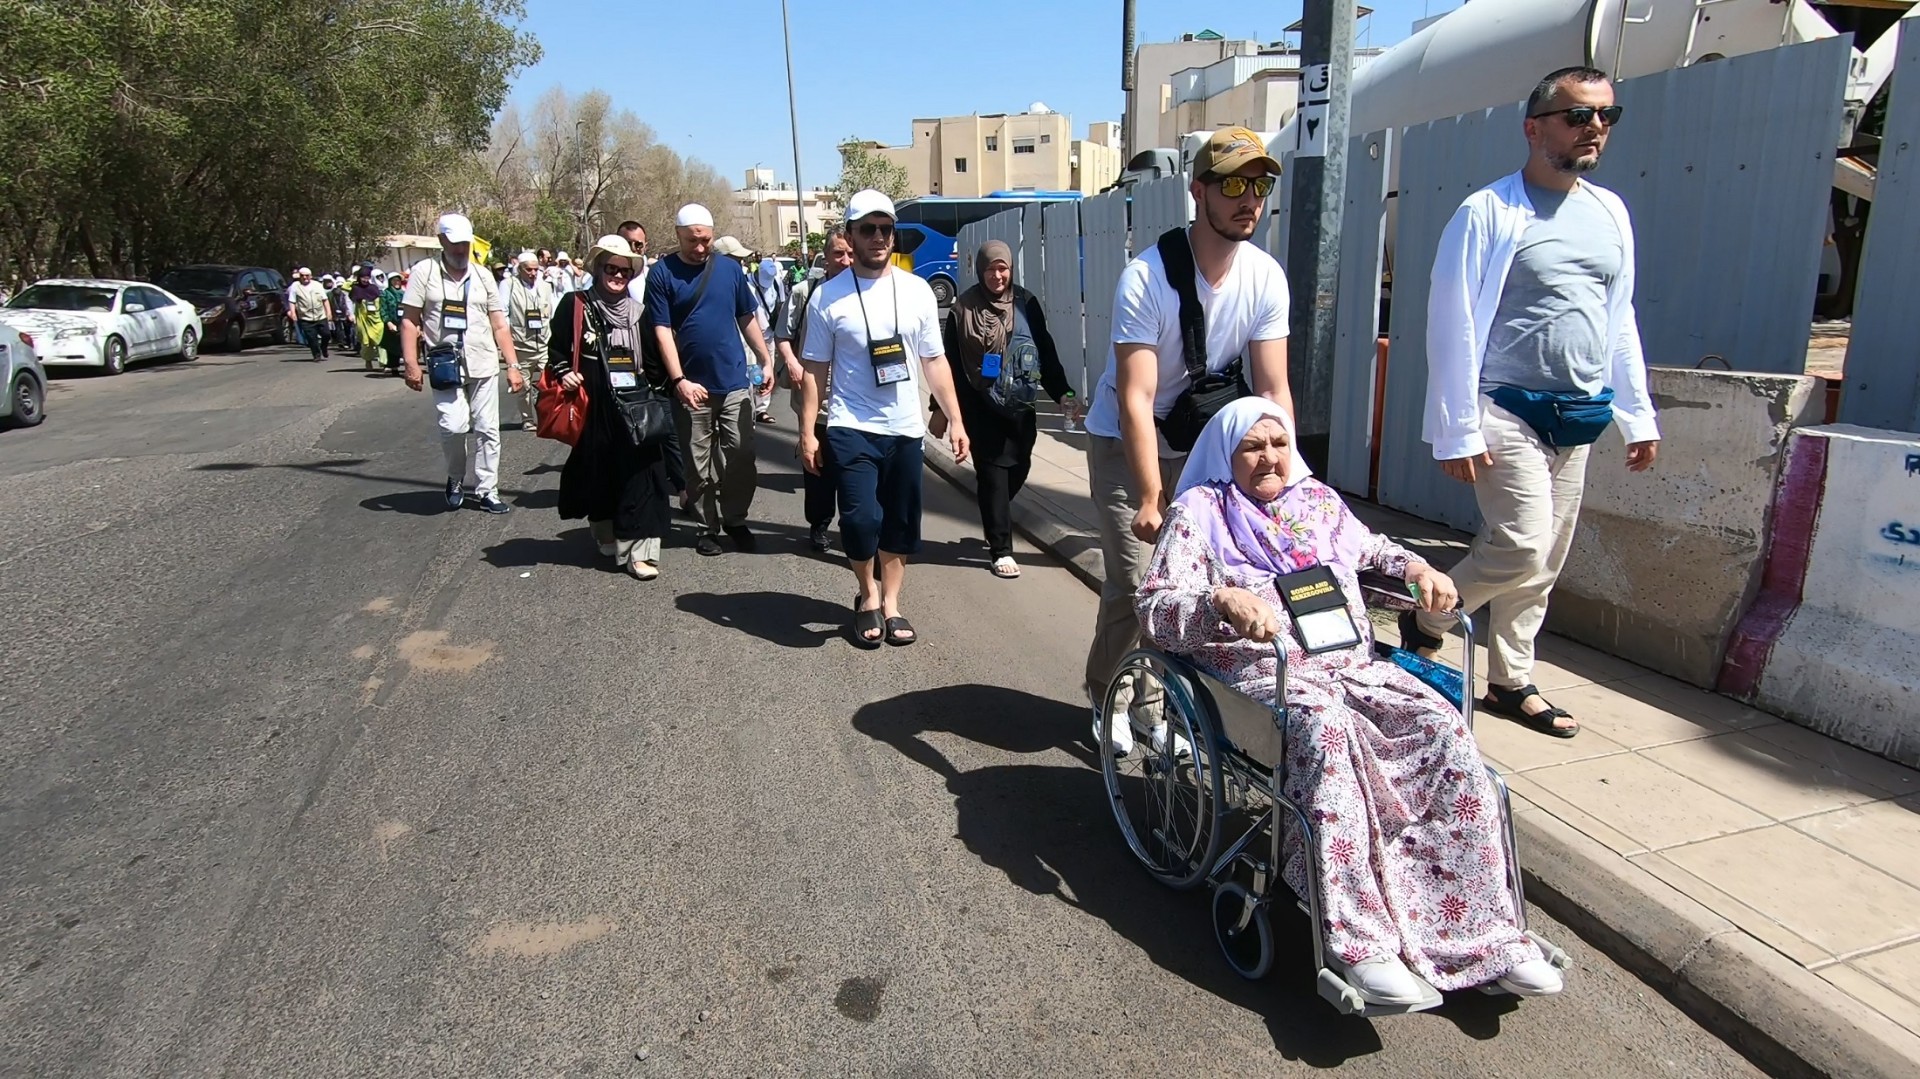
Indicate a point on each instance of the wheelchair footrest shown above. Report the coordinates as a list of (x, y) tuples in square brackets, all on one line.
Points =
[(1337, 991)]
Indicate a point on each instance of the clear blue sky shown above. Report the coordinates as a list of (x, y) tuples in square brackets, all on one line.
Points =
[(866, 68)]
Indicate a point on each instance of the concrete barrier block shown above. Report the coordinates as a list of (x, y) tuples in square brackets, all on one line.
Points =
[(1665, 562), (1830, 641)]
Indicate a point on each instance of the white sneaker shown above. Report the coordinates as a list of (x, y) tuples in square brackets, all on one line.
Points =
[(1119, 733), (1533, 978), (1157, 737), (1385, 981)]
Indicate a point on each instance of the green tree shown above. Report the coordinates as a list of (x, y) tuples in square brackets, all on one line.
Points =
[(862, 166), (143, 133)]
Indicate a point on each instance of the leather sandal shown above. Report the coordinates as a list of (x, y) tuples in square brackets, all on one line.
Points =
[(1510, 703)]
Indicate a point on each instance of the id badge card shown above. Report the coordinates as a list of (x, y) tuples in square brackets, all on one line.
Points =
[(621, 373), (534, 322), (1318, 608), (453, 316), (990, 365), (889, 357)]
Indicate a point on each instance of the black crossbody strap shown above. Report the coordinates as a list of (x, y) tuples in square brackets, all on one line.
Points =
[(1176, 255)]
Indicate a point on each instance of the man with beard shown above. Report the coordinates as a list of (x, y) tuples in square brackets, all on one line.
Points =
[(1532, 352), (873, 336), (453, 327), (1131, 465)]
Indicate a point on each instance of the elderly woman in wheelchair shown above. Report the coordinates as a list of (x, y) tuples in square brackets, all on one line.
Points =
[(1257, 560)]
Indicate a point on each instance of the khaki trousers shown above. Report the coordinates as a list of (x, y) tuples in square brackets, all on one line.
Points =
[(1529, 503), (1116, 629), (718, 440), (625, 550)]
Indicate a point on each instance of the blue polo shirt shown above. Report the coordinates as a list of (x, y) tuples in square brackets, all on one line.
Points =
[(707, 333)]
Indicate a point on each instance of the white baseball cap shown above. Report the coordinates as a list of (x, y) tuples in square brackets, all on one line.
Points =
[(693, 214), (868, 202), (455, 229)]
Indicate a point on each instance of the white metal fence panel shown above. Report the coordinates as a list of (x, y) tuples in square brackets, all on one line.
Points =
[(1158, 205), (1357, 316), (1060, 290), (1726, 167), (1883, 360), (1010, 228), (965, 244), (1103, 230)]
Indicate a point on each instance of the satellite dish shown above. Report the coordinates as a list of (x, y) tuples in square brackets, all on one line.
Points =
[(1039, 107)]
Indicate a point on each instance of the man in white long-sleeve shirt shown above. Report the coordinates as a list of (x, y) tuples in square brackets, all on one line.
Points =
[(1532, 351)]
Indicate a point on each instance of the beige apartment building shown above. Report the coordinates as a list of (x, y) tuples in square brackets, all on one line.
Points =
[(971, 156), (766, 214), (1204, 82)]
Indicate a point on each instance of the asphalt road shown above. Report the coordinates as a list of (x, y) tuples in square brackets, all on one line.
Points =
[(303, 775)]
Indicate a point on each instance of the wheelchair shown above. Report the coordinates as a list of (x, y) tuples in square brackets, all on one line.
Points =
[(1177, 803)]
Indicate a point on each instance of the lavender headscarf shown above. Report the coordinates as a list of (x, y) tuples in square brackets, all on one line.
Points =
[(1275, 538)]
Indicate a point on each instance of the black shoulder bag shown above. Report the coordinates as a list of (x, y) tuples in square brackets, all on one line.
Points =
[(1206, 392), (646, 415)]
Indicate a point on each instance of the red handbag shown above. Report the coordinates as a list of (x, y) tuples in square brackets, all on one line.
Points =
[(562, 412)]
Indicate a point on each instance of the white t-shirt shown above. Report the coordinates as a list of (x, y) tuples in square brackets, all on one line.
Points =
[(427, 291), (838, 332), (1251, 304)]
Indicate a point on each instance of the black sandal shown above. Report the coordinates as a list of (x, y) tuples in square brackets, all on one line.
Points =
[(1413, 638), (865, 621), (896, 626), (1510, 703)]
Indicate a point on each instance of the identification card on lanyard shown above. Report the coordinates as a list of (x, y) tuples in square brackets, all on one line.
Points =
[(453, 313), (534, 319), (1318, 608), (888, 354), (621, 372)]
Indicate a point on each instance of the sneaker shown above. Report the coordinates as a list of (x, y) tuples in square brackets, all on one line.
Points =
[(1157, 738), (1533, 978), (743, 539), (492, 504), (706, 545), (645, 571), (817, 539), (1385, 981), (455, 497), (1119, 736)]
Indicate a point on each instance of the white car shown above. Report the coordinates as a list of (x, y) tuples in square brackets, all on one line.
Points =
[(79, 322)]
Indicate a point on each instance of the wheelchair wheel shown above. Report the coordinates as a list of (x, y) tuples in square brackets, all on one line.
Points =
[(1166, 792), (1245, 934)]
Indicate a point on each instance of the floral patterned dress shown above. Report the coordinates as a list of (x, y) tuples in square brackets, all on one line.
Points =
[(1407, 821)]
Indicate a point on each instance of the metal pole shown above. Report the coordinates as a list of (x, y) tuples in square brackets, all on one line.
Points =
[(793, 125), (580, 155), (1126, 81), (1319, 196)]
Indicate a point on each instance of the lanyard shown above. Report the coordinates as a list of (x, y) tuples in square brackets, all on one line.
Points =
[(863, 309)]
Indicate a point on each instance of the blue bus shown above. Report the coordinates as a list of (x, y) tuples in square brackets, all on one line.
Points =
[(927, 227)]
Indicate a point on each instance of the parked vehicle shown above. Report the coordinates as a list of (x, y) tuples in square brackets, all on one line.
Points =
[(26, 383), (927, 226), (79, 322), (236, 303)]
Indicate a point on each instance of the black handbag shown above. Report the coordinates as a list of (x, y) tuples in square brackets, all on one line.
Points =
[(1207, 392)]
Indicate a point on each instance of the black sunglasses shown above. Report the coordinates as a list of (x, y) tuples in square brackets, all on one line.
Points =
[(617, 271), (1582, 115), (868, 228)]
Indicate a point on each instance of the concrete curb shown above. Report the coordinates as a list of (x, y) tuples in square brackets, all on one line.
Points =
[(1784, 1017)]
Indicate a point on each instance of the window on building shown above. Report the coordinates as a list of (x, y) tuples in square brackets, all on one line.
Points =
[(793, 228), (993, 144), (960, 164), (1046, 138), (1023, 146)]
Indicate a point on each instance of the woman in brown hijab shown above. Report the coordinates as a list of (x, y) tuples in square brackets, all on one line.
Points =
[(997, 340)]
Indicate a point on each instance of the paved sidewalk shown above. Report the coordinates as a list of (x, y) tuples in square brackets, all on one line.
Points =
[(1766, 876)]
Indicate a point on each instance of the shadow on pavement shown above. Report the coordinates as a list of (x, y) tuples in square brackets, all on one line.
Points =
[(1046, 828), (573, 547), (780, 618), (413, 503)]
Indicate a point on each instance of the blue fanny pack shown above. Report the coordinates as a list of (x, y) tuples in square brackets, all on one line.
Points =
[(1562, 420)]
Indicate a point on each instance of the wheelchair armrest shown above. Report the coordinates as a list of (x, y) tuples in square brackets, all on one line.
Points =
[(1388, 593)]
